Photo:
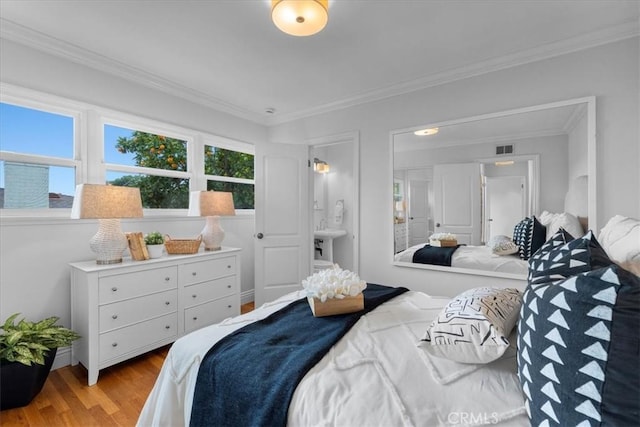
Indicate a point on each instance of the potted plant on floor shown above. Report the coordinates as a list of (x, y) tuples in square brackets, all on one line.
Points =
[(27, 351), (155, 244)]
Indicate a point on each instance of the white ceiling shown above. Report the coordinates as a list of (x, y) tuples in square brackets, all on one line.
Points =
[(227, 54)]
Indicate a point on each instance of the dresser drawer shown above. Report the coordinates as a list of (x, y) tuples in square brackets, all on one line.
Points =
[(210, 313), (123, 313), (202, 271), (124, 286), (124, 340), (206, 291)]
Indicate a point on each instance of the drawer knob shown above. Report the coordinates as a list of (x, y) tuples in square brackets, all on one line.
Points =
[(229, 306), (228, 266), (167, 303), (229, 286), (166, 279), (195, 318), (114, 317), (115, 344), (167, 327), (114, 289), (194, 274), (194, 296)]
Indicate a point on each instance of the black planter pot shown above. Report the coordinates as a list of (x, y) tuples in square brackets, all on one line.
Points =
[(19, 383)]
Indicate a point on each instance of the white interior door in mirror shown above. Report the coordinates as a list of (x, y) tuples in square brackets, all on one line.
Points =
[(457, 201), (418, 212), (282, 257), (505, 204)]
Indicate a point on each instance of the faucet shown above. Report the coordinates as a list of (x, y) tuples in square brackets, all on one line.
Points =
[(323, 224)]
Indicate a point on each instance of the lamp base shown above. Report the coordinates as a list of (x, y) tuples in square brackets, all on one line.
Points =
[(212, 234), (109, 242)]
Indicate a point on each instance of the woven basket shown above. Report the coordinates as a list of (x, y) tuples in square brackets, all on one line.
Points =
[(181, 246)]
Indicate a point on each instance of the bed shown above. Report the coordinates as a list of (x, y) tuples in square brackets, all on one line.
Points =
[(503, 254), (380, 373), (475, 257)]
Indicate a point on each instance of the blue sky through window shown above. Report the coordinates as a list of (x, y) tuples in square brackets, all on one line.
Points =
[(29, 131)]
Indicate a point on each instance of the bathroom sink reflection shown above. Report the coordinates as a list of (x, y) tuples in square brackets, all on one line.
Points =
[(329, 233)]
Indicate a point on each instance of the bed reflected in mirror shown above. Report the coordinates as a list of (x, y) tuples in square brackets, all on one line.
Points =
[(477, 178)]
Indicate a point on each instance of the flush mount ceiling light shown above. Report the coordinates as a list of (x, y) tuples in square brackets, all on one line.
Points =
[(426, 132), (300, 17)]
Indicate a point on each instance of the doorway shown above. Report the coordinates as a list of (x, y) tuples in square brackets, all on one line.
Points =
[(334, 198), (505, 204)]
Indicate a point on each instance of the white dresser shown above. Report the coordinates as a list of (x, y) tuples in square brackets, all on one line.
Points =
[(123, 310), (399, 237)]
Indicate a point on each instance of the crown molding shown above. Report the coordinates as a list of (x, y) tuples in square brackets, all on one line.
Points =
[(550, 50), (19, 34)]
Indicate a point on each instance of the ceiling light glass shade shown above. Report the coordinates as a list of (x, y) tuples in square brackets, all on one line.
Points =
[(107, 203), (427, 132), (300, 17), (211, 204)]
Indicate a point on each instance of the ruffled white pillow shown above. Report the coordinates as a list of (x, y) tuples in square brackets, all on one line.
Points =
[(502, 245), (620, 238)]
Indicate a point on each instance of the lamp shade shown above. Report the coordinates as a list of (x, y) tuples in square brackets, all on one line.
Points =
[(211, 203), (300, 17), (106, 201)]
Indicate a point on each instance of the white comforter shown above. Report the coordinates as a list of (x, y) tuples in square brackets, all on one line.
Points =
[(476, 257), (375, 376)]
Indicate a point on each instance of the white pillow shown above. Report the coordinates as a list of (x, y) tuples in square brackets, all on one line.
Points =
[(502, 245), (620, 238), (567, 221), (546, 217), (474, 326)]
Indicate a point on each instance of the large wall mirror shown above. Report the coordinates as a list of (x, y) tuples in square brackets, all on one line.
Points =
[(478, 177)]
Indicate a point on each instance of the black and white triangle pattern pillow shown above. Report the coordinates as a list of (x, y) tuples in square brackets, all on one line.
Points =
[(529, 234), (578, 346), (556, 261)]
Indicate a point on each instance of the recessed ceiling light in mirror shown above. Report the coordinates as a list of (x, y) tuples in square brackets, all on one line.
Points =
[(426, 132)]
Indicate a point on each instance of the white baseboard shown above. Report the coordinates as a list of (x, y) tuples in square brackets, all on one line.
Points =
[(63, 358), (247, 296)]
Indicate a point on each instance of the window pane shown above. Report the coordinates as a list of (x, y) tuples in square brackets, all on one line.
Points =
[(157, 192), (28, 131), (221, 162), (32, 186), (135, 148), (243, 194)]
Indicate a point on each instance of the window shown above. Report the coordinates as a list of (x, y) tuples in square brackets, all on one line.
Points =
[(37, 165), (49, 144), (156, 164), (229, 170)]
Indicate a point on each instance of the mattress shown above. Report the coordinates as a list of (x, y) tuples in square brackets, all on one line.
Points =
[(477, 258), (375, 375)]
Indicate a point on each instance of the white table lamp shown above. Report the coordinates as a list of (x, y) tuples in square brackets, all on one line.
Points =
[(107, 204), (211, 204)]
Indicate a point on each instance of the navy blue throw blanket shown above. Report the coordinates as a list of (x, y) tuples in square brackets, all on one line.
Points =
[(434, 255), (248, 377)]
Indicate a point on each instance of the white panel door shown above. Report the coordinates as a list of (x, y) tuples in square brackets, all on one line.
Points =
[(506, 204), (282, 239), (418, 212), (457, 201)]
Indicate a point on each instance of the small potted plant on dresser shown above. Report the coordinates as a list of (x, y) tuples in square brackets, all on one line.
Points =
[(27, 351), (155, 244)]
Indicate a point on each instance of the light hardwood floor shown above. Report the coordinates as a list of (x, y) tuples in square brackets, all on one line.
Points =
[(116, 400)]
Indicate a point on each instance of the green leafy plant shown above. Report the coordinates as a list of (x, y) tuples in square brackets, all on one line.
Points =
[(154, 238), (28, 342)]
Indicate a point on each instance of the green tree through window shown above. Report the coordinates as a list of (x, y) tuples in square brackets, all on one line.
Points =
[(160, 152)]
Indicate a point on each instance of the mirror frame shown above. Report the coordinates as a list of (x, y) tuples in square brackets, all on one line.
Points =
[(589, 101)]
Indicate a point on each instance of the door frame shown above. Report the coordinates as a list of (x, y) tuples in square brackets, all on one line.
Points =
[(353, 138)]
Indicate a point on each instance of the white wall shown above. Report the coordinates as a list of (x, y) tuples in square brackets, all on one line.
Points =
[(34, 277), (610, 72)]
